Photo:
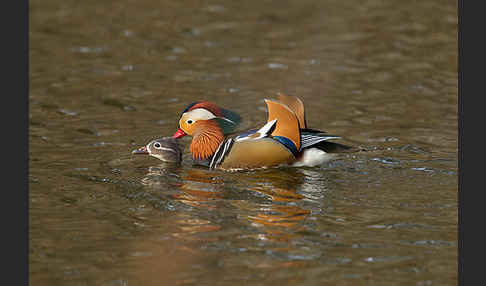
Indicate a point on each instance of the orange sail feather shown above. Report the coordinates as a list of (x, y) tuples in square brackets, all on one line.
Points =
[(296, 105), (287, 122)]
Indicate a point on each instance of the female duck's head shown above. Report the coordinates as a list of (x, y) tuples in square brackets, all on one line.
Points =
[(166, 149)]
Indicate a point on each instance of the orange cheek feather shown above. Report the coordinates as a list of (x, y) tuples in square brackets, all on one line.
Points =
[(207, 137)]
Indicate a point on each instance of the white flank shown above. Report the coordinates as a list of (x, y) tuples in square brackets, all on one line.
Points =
[(313, 157)]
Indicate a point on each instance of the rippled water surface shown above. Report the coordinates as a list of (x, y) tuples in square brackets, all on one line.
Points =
[(109, 76)]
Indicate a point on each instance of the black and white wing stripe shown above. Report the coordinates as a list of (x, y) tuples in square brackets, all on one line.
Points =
[(309, 139), (220, 153)]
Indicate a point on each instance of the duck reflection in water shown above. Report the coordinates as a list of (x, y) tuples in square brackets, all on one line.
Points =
[(279, 212), (280, 216), (179, 188), (265, 201)]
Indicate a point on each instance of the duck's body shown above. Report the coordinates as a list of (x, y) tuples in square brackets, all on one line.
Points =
[(283, 140), (251, 154)]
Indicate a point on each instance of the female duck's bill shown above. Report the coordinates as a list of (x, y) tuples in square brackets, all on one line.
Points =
[(166, 149)]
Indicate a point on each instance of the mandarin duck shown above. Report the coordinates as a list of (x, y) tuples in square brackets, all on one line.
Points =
[(166, 149), (283, 140)]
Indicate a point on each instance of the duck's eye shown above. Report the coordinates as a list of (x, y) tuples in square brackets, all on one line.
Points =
[(157, 145), (189, 121)]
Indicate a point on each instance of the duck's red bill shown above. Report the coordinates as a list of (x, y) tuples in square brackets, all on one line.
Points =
[(141, 150), (179, 133)]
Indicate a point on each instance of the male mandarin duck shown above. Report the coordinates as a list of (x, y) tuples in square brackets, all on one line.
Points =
[(283, 140), (208, 124)]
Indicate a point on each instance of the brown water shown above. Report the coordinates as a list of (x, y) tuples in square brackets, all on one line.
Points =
[(109, 76)]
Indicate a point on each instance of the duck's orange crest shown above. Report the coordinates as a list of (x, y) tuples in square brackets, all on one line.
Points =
[(213, 108)]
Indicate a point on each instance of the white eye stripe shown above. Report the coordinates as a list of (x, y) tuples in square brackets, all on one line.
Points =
[(200, 114), (163, 148)]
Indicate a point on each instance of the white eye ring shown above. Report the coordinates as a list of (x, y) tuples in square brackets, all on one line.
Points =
[(189, 121), (157, 145)]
